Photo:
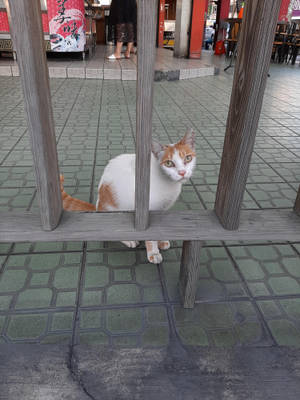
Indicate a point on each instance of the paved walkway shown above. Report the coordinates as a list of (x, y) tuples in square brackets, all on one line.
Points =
[(104, 293), (98, 67)]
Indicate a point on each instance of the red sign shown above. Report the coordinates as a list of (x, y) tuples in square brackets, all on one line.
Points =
[(66, 24), (4, 25), (161, 23)]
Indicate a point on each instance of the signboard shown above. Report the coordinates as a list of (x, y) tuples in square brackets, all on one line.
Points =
[(295, 9), (66, 25), (4, 25)]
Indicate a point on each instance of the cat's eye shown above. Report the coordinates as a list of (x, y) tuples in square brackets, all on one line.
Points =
[(169, 164), (188, 158)]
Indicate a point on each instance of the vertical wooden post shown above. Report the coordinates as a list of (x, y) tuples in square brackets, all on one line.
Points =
[(189, 272), (297, 203), (27, 32), (146, 34), (250, 76)]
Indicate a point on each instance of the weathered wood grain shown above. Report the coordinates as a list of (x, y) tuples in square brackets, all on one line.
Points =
[(27, 32), (189, 272), (250, 76), (147, 10), (297, 203), (198, 225)]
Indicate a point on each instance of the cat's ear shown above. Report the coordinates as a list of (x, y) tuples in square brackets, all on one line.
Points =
[(157, 148), (189, 139)]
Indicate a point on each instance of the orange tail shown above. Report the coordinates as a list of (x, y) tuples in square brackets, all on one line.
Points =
[(71, 203)]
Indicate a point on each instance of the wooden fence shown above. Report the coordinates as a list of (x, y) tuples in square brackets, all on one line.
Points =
[(226, 222)]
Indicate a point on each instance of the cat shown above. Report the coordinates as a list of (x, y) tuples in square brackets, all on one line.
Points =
[(171, 166)]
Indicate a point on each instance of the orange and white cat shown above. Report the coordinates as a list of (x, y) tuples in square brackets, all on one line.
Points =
[(171, 166)]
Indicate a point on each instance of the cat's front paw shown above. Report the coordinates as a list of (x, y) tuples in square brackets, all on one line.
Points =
[(154, 258), (163, 244), (131, 243)]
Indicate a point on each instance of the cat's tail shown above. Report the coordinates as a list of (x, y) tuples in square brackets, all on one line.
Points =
[(71, 203)]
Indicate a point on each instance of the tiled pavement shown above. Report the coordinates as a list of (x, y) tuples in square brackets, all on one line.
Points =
[(249, 293), (98, 67)]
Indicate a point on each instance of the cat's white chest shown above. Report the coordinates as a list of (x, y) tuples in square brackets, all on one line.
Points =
[(120, 175)]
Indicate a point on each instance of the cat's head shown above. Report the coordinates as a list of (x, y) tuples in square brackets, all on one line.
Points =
[(177, 160)]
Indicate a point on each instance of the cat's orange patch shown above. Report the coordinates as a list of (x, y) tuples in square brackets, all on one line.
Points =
[(168, 154), (107, 198), (71, 203), (182, 148)]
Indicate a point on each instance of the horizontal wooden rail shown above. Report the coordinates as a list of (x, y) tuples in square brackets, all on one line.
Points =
[(185, 225)]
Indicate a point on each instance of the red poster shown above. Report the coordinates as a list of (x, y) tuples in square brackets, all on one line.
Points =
[(4, 25), (45, 23), (66, 24)]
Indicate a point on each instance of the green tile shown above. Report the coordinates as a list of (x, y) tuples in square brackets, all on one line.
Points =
[(22, 247), (263, 252), (120, 259), (17, 261), (152, 294), (285, 332), (66, 278), (12, 280), (284, 285), (93, 338), (4, 248), (27, 326), (90, 319), (273, 267), (62, 321), (155, 336), (292, 265), (210, 315), (269, 308), (96, 276), (258, 289), (40, 279), (123, 293), (123, 274), (94, 258), (193, 335), (2, 322), (48, 246), (156, 314), (34, 298), (92, 298), (147, 274), (224, 270), (65, 299), (292, 308), (57, 339), (209, 288), (5, 302), (223, 338), (125, 341), (250, 269), (249, 332), (44, 261), (124, 320)]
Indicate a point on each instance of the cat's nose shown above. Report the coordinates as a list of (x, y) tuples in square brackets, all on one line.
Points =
[(181, 172)]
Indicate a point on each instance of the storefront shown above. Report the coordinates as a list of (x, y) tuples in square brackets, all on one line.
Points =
[(183, 25)]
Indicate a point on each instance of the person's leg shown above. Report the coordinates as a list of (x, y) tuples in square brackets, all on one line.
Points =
[(128, 50), (118, 49)]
